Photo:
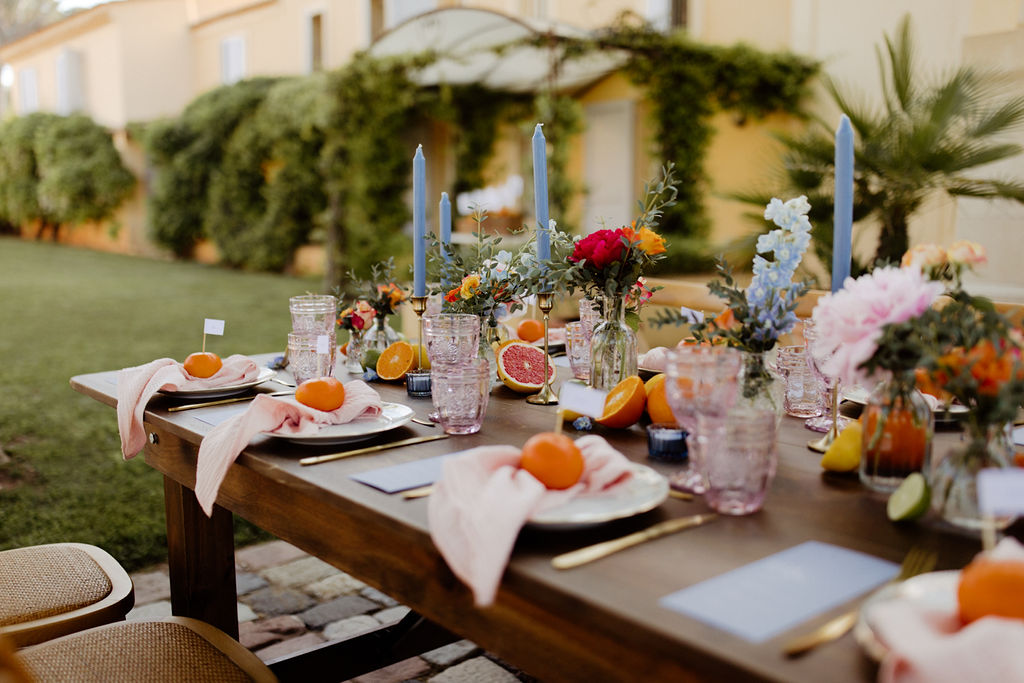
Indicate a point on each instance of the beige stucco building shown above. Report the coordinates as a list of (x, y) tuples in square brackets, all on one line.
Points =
[(136, 60)]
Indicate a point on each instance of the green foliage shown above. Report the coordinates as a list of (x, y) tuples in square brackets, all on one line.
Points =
[(267, 193), (57, 169), (184, 153), (81, 176), (366, 161), (19, 169), (686, 84), (930, 135)]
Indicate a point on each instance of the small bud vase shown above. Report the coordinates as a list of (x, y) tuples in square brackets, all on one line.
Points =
[(380, 335), (953, 478), (898, 429)]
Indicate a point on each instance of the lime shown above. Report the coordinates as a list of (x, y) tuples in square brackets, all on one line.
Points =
[(369, 359), (843, 454), (910, 500)]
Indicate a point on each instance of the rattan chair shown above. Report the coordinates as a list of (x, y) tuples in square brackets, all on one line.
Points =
[(169, 650), (47, 591)]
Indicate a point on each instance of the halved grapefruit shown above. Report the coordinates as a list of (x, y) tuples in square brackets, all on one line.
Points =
[(521, 367)]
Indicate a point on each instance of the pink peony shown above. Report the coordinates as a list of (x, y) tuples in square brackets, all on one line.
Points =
[(849, 322)]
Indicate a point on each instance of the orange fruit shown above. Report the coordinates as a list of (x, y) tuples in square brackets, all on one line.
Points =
[(323, 393), (991, 587), (657, 402), (624, 404), (530, 330), (396, 360), (521, 366), (202, 364), (554, 459)]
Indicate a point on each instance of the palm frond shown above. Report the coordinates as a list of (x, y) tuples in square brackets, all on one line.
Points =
[(966, 154), (1006, 117), (899, 77), (863, 116), (986, 189)]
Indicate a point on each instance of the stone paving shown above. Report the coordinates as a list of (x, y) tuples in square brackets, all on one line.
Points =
[(289, 601)]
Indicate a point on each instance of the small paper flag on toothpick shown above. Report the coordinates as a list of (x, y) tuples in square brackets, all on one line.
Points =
[(212, 326), (691, 316), (323, 344), (1000, 493), (578, 398)]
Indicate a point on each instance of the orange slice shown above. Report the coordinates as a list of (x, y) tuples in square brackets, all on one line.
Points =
[(657, 402), (396, 360), (624, 404)]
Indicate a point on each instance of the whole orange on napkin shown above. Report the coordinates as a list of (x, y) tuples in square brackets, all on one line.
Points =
[(935, 646), (268, 414), (135, 386), (484, 498)]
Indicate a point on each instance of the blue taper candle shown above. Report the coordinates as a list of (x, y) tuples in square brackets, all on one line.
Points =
[(842, 221), (445, 212), (540, 193), (419, 223)]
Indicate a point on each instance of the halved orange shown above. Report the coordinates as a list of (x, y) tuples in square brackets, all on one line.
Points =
[(624, 404), (657, 402), (396, 360)]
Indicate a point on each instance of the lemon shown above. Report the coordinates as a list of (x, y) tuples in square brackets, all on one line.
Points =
[(369, 359), (844, 453), (910, 500)]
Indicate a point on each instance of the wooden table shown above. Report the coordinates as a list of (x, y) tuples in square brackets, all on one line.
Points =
[(600, 622)]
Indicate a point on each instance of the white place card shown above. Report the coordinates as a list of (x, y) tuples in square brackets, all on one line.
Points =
[(772, 595), (581, 399), (323, 344), (408, 475), (1018, 435), (691, 316), (213, 326), (1001, 491)]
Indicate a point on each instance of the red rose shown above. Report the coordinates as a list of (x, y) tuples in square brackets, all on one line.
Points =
[(599, 248)]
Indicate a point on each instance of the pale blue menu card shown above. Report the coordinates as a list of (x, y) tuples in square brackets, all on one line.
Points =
[(772, 595), (408, 475)]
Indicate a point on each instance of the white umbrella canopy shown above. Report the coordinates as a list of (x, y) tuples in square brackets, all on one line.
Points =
[(465, 39)]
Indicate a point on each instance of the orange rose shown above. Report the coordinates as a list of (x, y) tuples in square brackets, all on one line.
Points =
[(651, 242)]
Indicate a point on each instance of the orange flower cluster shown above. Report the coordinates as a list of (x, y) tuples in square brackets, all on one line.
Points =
[(392, 292), (649, 241), (991, 365)]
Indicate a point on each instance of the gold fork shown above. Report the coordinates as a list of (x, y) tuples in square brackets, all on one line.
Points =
[(916, 562)]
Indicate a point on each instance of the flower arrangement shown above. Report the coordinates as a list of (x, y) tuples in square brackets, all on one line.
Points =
[(484, 279), (755, 318), (609, 264), (380, 291), (357, 317), (946, 265)]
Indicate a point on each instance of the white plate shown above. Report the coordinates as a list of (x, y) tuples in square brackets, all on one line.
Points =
[(644, 491), (393, 415), (859, 395), (934, 591), (220, 392)]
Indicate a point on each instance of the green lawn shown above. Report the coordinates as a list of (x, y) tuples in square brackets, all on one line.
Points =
[(68, 311)]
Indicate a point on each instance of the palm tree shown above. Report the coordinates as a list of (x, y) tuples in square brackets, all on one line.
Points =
[(926, 137)]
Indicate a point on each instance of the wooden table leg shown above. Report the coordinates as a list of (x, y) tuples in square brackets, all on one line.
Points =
[(201, 559)]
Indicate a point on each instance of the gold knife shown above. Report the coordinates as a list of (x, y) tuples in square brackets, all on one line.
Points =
[(226, 401), (317, 459), (599, 550)]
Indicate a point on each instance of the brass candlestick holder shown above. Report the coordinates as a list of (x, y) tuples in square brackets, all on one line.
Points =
[(419, 305), (821, 445), (545, 397)]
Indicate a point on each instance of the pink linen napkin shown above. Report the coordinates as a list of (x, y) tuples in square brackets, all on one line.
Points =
[(932, 645), (268, 414), (483, 499), (135, 386)]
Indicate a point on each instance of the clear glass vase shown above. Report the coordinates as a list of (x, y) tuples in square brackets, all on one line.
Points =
[(380, 335), (759, 388), (490, 338), (613, 355), (953, 478), (898, 430), (354, 352)]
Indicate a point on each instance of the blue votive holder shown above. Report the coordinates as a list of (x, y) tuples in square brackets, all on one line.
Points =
[(666, 442), (417, 384)]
